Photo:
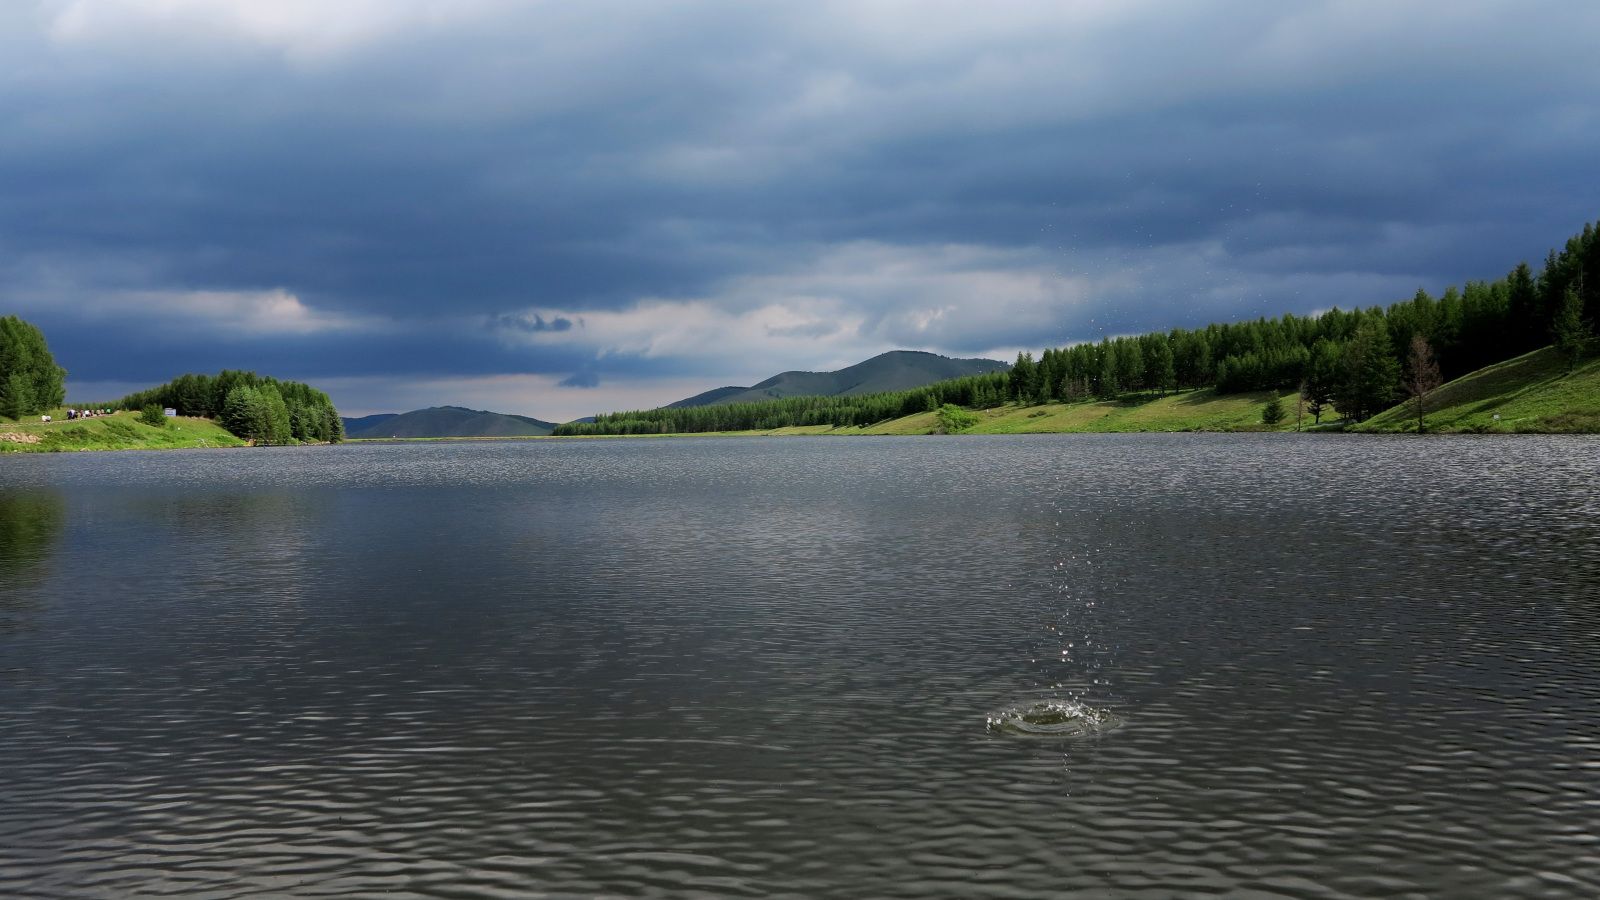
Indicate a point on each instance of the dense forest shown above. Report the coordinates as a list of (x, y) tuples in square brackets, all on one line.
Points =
[(1353, 362), (30, 380), (254, 407)]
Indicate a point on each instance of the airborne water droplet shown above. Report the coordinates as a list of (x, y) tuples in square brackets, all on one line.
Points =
[(1059, 718)]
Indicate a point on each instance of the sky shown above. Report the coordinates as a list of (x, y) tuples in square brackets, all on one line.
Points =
[(557, 209)]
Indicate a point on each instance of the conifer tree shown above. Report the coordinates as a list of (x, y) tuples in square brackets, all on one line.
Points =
[(1322, 374), (1572, 335), (1160, 367), (1369, 372), (1130, 365), (1110, 371), (1023, 373), (1272, 413)]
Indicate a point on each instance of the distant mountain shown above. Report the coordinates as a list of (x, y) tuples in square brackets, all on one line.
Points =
[(362, 423), (711, 397), (897, 370), (445, 421)]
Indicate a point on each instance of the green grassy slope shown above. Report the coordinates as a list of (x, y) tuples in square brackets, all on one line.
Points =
[(1202, 410), (1531, 393), (121, 431)]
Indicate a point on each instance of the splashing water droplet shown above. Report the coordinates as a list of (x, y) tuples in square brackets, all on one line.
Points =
[(1053, 718)]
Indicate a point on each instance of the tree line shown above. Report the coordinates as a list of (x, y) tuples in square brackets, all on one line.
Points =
[(1353, 362), (253, 407), (30, 380)]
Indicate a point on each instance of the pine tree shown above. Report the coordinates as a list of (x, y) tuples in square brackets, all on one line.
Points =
[(1523, 308), (1110, 371), (1368, 372), (1272, 413), (1130, 365), (1023, 378), (1572, 335), (1322, 374)]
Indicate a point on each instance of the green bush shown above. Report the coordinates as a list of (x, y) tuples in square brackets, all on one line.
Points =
[(953, 419), (153, 416)]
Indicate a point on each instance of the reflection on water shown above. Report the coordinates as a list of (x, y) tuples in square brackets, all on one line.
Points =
[(1338, 667), (30, 529)]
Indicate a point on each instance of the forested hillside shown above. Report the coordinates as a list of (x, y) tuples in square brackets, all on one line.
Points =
[(1351, 362), (254, 407)]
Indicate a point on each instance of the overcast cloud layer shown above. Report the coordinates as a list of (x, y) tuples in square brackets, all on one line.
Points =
[(556, 209)]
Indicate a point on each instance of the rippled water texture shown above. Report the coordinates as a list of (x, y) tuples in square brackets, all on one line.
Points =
[(1341, 666)]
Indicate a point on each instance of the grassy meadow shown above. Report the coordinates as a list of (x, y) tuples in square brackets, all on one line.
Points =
[(1202, 410), (1532, 393), (118, 431)]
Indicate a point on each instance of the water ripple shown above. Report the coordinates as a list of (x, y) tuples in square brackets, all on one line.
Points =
[(1347, 668)]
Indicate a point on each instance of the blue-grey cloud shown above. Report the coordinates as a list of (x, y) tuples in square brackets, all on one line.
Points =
[(584, 379), (533, 323), (819, 329), (734, 189)]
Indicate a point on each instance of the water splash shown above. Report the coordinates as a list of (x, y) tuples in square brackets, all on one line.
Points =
[(1053, 718)]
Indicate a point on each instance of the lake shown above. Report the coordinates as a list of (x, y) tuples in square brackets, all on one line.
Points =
[(1331, 666)]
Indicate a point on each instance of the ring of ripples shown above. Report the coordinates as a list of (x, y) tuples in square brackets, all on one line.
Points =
[(1053, 718)]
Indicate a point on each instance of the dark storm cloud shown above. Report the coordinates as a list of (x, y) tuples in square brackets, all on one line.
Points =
[(125, 350), (358, 189)]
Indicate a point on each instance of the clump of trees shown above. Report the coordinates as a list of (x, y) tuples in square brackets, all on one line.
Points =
[(30, 380), (253, 407), (1348, 361)]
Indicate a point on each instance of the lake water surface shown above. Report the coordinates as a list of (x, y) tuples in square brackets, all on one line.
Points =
[(1338, 666)]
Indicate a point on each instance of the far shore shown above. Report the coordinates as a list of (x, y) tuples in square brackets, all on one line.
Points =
[(1538, 393)]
